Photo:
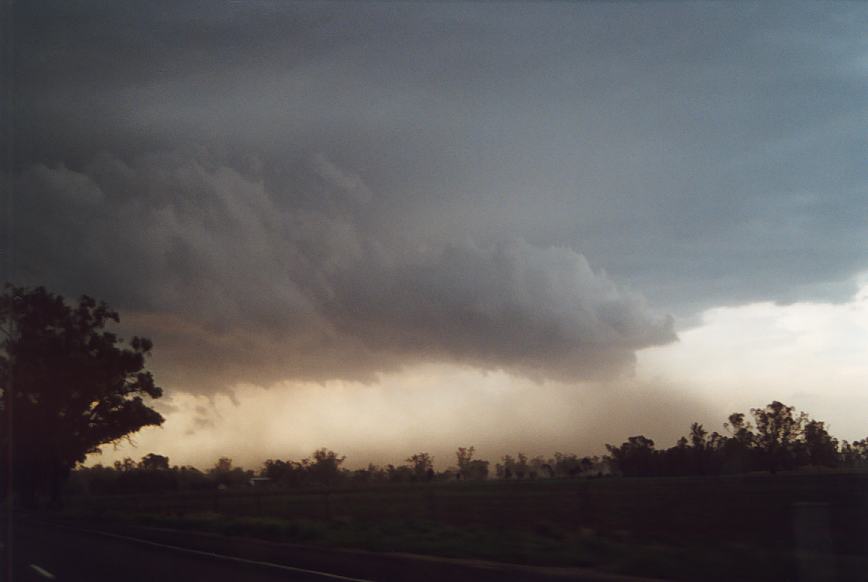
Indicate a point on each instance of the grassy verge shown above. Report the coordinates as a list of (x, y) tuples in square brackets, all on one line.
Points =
[(545, 544)]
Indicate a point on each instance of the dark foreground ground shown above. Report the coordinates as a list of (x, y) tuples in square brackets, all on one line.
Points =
[(796, 527), (48, 551)]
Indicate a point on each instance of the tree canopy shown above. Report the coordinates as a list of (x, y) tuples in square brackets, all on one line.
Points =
[(74, 385)]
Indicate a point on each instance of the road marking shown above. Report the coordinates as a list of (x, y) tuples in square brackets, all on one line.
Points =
[(42, 572), (218, 556)]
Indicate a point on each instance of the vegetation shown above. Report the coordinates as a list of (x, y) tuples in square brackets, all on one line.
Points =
[(71, 385), (780, 438), (677, 527)]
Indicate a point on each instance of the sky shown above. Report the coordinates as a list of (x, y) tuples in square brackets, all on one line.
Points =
[(393, 227)]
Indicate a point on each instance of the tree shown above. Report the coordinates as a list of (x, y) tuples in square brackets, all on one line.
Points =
[(821, 447), (636, 457), (567, 465), (738, 452), (73, 386), (325, 467), (778, 429), (469, 467), (225, 475), (154, 462), (422, 465)]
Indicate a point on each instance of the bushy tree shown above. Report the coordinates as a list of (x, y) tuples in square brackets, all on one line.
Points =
[(422, 465), (72, 385), (325, 467), (778, 428), (821, 448), (154, 462), (636, 457), (224, 474), (469, 467)]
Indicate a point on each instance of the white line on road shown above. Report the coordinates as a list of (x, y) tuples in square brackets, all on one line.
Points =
[(42, 572), (219, 556)]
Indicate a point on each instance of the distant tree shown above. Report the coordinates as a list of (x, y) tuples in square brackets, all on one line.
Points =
[(506, 468), (778, 429), (192, 479), (538, 466), (399, 474), (422, 465), (73, 386), (698, 444), (518, 467), (738, 452), (124, 466), (821, 447), (154, 462), (469, 467), (371, 474), (463, 457), (521, 467), (325, 467), (225, 474), (222, 466), (636, 457), (854, 454), (567, 465), (698, 436)]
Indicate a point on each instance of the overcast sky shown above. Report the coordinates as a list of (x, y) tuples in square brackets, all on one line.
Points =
[(543, 224)]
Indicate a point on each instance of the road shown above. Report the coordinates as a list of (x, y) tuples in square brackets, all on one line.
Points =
[(48, 551), (45, 552)]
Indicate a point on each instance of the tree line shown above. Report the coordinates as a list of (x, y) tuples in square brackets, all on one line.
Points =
[(323, 468), (777, 438)]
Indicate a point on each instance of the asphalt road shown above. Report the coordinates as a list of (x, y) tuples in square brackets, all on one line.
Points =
[(51, 551), (45, 552)]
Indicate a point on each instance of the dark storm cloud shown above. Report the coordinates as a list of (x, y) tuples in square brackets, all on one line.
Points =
[(273, 184), (236, 287)]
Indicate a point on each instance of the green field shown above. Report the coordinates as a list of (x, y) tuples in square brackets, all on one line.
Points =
[(751, 527)]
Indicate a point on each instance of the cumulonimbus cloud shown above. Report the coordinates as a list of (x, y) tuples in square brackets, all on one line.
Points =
[(236, 282)]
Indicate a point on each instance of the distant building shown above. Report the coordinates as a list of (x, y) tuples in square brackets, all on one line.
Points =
[(259, 481)]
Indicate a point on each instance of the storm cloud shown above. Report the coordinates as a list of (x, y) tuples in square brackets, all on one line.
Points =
[(236, 284), (311, 191)]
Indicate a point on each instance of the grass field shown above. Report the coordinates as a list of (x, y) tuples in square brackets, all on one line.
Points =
[(752, 527)]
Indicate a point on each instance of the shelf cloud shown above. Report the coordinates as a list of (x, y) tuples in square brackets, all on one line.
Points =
[(236, 284)]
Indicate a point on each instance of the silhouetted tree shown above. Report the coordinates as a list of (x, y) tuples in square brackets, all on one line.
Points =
[(225, 475), (154, 462), (567, 465), (422, 465), (325, 467), (778, 428), (854, 454), (470, 468), (636, 457), (821, 447), (371, 474), (73, 386), (738, 451)]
